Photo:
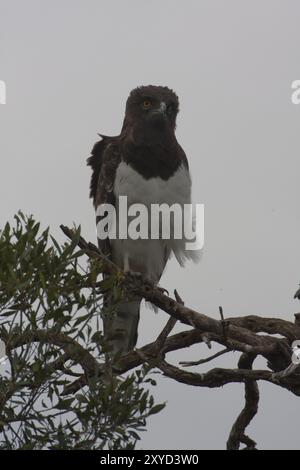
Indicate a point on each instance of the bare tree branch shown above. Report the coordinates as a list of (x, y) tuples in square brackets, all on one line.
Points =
[(237, 435), (204, 361), (251, 335)]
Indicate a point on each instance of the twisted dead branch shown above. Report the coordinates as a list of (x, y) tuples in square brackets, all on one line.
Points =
[(250, 335)]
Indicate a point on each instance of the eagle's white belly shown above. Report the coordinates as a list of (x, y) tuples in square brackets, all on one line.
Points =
[(149, 256)]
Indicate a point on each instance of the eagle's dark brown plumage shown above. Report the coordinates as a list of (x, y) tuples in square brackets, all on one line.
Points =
[(144, 162)]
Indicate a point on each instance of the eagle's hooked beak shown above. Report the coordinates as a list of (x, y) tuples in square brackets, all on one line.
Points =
[(160, 111), (158, 114), (163, 108)]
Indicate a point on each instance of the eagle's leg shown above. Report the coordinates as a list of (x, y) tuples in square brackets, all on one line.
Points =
[(121, 326), (127, 270), (126, 262)]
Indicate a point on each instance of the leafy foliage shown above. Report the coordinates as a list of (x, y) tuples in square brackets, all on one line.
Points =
[(50, 323)]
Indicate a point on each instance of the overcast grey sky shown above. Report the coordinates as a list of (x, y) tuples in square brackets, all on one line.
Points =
[(69, 66)]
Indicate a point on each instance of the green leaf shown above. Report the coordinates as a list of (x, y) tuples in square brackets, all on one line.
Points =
[(156, 409)]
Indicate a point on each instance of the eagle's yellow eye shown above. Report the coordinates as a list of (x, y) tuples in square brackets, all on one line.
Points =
[(147, 104)]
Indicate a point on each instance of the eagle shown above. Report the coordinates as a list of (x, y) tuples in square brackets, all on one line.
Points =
[(146, 164)]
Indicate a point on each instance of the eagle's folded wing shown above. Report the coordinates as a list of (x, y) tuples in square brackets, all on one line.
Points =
[(104, 161)]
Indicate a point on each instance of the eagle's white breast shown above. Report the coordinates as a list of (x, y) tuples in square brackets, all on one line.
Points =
[(149, 256), (130, 183)]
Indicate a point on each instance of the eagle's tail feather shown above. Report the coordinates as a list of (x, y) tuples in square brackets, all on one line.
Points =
[(121, 327)]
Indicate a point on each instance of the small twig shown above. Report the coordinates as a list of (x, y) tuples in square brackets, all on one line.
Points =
[(161, 339), (286, 372), (160, 342), (221, 313), (297, 295), (207, 359), (225, 324), (297, 319), (178, 298)]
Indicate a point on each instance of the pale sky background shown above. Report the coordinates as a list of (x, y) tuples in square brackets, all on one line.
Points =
[(69, 66)]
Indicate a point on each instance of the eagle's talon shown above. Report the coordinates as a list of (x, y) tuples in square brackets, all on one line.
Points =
[(163, 290), (134, 274)]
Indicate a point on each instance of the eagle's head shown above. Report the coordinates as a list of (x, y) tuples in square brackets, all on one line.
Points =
[(153, 106)]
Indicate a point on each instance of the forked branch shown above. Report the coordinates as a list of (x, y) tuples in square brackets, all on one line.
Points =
[(251, 335)]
